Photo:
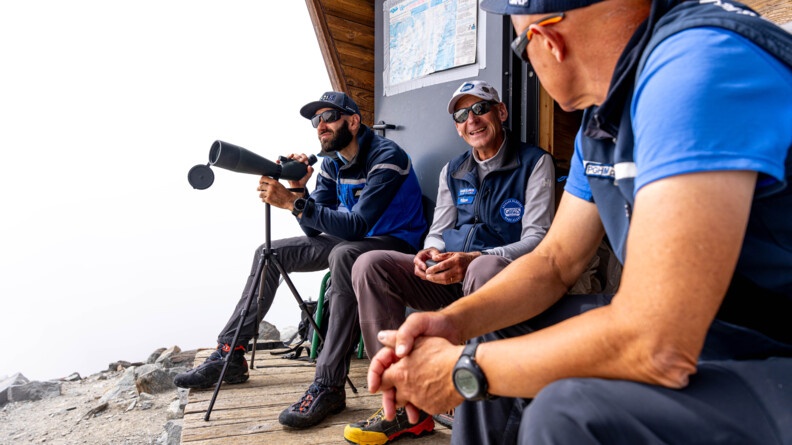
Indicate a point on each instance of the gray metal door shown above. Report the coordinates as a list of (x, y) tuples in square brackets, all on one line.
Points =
[(418, 120)]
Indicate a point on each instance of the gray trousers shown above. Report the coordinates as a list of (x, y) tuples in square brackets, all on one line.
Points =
[(386, 285), (309, 254), (726, 402)]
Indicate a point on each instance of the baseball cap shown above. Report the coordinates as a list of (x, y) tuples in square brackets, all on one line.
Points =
[(330, 99), (477, 88), (525, 7)]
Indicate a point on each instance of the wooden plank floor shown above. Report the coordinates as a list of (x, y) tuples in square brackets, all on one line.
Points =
[(248, 413)]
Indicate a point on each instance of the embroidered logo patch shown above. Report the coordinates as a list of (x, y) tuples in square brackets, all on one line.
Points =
[(600, 170), (466, 196), (511, 210)]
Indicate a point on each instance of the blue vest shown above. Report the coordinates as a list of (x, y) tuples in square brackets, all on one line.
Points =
[(761, 283), (489, 214)]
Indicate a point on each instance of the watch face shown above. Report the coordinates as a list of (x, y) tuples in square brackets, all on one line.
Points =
[(466, 383)]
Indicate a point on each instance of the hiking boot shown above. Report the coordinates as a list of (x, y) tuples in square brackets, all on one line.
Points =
[(376, 430), (318, 402), (207, 373)]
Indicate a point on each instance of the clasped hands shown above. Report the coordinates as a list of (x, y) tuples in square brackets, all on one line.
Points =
[(271, 191), (450, 268), (415, 366)]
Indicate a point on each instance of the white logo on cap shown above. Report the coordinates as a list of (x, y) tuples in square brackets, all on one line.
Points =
[(518, 2)]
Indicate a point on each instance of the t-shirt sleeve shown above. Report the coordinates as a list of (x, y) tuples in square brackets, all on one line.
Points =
[(577, 184), (709, 100)]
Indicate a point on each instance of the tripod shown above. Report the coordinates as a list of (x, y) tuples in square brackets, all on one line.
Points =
[(266, 259)]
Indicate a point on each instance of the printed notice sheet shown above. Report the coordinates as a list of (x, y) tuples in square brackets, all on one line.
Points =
[(423, 37)]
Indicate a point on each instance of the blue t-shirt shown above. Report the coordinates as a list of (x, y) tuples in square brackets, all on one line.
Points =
[(706, 100)]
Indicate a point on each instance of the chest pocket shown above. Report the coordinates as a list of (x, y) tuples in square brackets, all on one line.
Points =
[(349, 192)]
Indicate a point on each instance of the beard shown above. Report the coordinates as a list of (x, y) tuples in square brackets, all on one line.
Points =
[(341, 138)]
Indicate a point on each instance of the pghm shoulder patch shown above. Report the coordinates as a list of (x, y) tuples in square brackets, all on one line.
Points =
[(598, 170), (511, 210)]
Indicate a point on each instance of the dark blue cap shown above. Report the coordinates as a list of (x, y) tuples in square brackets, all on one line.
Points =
[(525, 7), (330, 99)]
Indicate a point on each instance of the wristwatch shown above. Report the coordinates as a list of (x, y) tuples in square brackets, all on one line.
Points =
[(299, 206), (469, 380)]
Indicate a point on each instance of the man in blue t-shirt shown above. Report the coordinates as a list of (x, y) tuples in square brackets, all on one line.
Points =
[(683, 160)]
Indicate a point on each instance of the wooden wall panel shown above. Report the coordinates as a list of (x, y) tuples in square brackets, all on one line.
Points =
[(360, 11), (345, 30), (778, 11), (351, 32)]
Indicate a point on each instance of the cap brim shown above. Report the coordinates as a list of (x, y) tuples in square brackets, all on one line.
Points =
[(308, 111), (452, 103), (495, 6)]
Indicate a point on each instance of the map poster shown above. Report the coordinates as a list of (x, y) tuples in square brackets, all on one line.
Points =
[(427, 36)]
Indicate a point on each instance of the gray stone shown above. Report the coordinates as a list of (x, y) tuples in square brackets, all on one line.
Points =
[(175, 410), (8, 382), (155, 355), (172, 433), (166, 355), (73, 377), (155, 382), (34, 391), (268, 331)]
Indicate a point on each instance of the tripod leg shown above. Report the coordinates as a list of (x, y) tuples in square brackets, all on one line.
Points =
[(304, 309), (262, 266)]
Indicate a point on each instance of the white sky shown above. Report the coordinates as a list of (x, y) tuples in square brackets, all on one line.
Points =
[(106, 252)]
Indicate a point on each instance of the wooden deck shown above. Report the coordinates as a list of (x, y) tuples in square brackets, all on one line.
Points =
[(248, 413)]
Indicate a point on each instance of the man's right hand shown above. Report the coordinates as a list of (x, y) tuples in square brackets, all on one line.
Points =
[(451, 267), (420, 261)]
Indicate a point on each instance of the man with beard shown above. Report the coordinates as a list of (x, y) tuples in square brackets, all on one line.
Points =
[(367, 197)]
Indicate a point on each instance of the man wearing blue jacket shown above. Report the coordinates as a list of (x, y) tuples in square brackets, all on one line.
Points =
[(495, 203), (367, 197)]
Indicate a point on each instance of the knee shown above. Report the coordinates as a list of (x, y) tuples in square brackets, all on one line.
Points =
[(481, 270), (343, 254), (566, 411), (366, 267)]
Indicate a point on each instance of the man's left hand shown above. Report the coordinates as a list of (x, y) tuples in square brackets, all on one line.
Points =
[(422, 379)]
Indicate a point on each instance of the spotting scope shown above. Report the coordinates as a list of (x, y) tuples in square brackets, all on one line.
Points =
[(235, 158)]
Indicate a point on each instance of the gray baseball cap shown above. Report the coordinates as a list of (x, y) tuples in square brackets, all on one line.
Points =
[(477, 88)]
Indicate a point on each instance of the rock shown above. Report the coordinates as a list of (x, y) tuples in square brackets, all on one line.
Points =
[(268, 331), (175, 410), (172, 433), (34, 391), (154, 382), (73, 377), (183, 358), (155, 355), (8, 382), (165, 357)]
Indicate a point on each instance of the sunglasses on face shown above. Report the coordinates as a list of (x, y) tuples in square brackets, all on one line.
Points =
[(329, 116), (519, 44), (478, 108)]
